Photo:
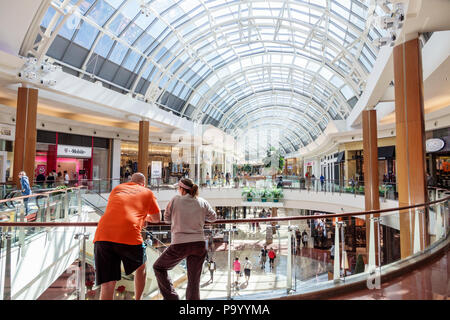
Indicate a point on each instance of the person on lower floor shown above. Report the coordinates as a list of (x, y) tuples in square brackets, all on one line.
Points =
[(211, 268), (26, 189), (237, 269), (263, 257), (247, 269), (118, 237), (187, 213)]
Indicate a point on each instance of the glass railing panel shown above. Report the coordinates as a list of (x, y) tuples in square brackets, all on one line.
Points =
[(25, 271), (335, 250)]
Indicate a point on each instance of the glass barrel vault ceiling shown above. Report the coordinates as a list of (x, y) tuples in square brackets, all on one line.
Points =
[(231, 64)]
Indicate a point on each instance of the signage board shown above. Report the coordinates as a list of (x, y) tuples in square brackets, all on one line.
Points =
[(156, 169), (433, 145), (7, 132), (74, 151)]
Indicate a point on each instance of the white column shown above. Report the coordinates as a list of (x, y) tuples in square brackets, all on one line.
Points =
[(115, 162), (372, 264), (337, 270)]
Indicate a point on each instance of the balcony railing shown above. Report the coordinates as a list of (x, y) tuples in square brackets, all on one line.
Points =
[(334, 254)]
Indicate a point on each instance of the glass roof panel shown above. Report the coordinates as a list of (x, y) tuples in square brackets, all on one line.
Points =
[(217, 56)]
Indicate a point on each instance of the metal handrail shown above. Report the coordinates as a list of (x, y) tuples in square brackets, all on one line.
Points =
[(232, 221), (45, 194)]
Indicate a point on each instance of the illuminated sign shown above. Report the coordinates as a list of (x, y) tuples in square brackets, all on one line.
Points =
[(74, 151), (433, 145)]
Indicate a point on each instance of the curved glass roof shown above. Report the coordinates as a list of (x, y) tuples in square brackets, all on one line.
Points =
[(228, 63)]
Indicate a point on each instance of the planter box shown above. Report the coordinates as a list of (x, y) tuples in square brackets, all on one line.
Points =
[(263, 200), (275, 200), (249, 199)]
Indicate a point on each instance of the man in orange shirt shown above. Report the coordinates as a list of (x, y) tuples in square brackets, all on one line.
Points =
[(118, 236)]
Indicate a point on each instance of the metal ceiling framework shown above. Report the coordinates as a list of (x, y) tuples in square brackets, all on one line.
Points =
[(226, 63)]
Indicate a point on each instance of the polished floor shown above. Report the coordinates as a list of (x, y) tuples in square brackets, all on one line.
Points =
[(430, 282)]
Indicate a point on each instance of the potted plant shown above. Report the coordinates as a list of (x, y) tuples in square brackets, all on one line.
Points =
[(277, 194), (264, 194), (249, 193)]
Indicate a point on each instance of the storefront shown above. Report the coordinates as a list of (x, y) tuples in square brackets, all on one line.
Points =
[(328, 166), (83, 157), (352, 155), (292, 166), (159, 160), (6, 152), (438, 156)]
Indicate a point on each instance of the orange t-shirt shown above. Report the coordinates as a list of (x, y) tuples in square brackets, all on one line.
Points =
[(127, 209)]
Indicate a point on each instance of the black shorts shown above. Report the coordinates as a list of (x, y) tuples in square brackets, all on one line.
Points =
[(247, 272), (108, 256)]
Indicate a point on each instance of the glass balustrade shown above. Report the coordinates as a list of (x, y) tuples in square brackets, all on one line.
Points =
[(51, 234)]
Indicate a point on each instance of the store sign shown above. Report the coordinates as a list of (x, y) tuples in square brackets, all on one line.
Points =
[(433, 145), (74, 151), (156, 169), (6, 132), (309, 164)]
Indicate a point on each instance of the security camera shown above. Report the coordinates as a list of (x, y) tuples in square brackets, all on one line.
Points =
[(48, 68), (29, 75), (386, 22), (48, 83), (380, 42)]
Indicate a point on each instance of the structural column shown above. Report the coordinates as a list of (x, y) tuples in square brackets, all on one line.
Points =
[(144, 127), (410, 146), (25, 139), (370, 166)]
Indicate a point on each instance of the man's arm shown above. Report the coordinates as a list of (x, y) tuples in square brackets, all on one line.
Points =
[(154, 213)]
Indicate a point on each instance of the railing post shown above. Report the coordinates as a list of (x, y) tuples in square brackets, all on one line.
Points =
[(337, 270), (416, 247), (22, 230), (66, 205), (82, 286), (79, 199), (6, 236), (372, 262), (289, 261), (229, 264)]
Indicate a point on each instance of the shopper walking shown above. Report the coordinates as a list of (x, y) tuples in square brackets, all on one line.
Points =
[(304, 238), (187, 213), (26, 189), (118, 236), (237, 270), (272, 255), (247, 269), (211, 268), (263, 257)]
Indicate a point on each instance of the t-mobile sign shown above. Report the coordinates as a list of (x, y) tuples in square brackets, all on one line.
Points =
[(74, 151)]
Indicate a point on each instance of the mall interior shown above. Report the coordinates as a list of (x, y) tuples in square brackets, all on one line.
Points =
[(316, 128)]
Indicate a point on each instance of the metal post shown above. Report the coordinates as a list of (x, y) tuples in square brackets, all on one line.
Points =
[(337, 270), (344, 253), (229, 264), (80, 206), (289, 261), (416, 240), (82, 280), (7, 283), (22, 230)]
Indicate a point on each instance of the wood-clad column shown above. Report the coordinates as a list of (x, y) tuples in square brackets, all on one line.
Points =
[(410, 146), (144, 127), (370, 166), (25, 140)]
